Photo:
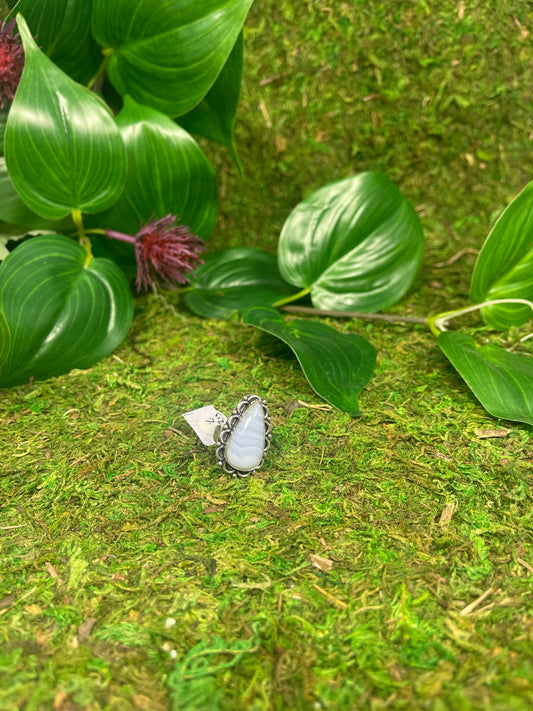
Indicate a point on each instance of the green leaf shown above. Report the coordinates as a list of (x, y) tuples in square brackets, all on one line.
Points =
[(16, 218), (8, 233), (501, 381), (214, 116), (233, 279), (337, 365), (15, 211), (167, 173), (5, 340), (355, 244), (63, 31), (504, 267), (167, 53), (60, 313), (14, 233), (63, 150), (12, 208), (4, 113), (122, 253)]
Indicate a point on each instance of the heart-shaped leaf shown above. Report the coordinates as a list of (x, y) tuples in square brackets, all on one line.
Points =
[(167, 173), (60, 314), (63, 31), (62, 148), (233, 279), (355, 245), (504, 267), (214, 116), (12, 209), (167, 54), (501, 381), (337, 365)]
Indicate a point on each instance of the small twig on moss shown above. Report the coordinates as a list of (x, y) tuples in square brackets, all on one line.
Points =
[(456, 257), (308, 405), (330, 597), (472, 606), (390, 318)]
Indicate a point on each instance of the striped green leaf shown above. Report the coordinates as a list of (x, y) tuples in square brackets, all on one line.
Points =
[(504, 267), (62, 148), (337, 365), (501, 381), (3, 122), (58, 313), (5, 340), (16, 218), (14, 210), (214, 116), (63, 31), (167, 173), (355, 245), (167, 53), (232, 279)]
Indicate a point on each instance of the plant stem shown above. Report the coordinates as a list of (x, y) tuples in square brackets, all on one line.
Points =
[(120, 236), (100, 72), (292, 297), (439, 322), (390, 318), (84, 241)]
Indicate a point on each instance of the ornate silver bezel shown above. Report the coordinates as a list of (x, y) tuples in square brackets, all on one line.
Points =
[(229, 427)]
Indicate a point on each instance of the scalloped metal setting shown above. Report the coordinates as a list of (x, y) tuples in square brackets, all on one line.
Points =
[(235, 427)]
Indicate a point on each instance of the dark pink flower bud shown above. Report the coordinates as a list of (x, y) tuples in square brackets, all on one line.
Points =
[(11, 62), (162, 246)]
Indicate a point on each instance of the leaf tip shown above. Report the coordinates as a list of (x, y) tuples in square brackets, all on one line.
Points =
[(24, 31)]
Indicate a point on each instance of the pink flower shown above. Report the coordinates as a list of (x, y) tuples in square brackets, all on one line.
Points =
[(162, 246), (11, 62)]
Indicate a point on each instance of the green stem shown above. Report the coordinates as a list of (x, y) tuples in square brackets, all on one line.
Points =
[(292, 297), (439, 322), (101, 70), (441, 318), (84, 241)]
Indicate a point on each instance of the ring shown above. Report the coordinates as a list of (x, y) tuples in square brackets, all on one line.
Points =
[(245, 437)]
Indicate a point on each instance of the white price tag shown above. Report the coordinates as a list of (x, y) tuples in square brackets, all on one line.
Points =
[(204, 422)]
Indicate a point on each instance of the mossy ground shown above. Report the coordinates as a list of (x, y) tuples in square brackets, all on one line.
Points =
[(136, 576)]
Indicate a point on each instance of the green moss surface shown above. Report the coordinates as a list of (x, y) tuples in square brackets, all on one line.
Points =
[(135, 575)]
